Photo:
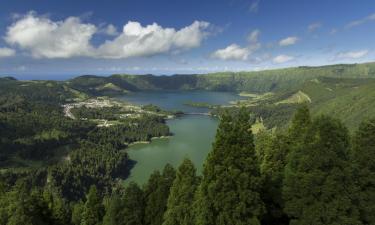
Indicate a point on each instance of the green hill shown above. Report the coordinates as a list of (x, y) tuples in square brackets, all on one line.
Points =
[(257, 81)]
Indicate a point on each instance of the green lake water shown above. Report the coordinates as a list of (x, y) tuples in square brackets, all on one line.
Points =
[(192, 134)]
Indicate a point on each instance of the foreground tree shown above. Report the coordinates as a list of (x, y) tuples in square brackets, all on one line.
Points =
[(93, 210), (133, 205), (317, 187), (274, 148), (180, 201), (230, 189), (156, 195), (112, 212), (363, 156)]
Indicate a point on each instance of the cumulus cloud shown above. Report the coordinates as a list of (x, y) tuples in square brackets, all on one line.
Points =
[(44, 38), (137, 40), (236, 52), (352, 54), (361, 21), (232, 52), (253, 36), (6, 52), (282, 59), (313, 27), (288, 41)]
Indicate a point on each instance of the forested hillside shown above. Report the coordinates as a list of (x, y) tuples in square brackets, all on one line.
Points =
[(314, 172), (62, 155), (43, 147)]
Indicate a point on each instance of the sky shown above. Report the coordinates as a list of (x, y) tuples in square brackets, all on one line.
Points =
[(54, 39)]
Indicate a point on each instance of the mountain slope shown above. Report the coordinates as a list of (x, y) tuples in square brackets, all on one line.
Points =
[(256, 81)]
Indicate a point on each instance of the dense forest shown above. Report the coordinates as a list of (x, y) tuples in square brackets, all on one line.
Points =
[(306, 168), (314, 172)]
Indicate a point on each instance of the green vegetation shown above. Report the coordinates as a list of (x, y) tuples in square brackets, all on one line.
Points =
[(255, 82), (200, 105), (312, 173), (68, 167), (230, 189), (344, 91)]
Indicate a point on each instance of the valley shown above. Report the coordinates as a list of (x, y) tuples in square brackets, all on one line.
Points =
[(119, 131)]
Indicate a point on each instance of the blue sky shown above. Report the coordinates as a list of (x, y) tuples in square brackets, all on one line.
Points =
[(68, 38)]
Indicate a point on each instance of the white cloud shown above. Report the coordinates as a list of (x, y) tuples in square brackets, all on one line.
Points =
[(361, 21), (44, 38), (137, 40), (6, 52), (48, 39), (313, 27), (282, 59), (232, 52), (253, 36), (352, 54), (288, 41)]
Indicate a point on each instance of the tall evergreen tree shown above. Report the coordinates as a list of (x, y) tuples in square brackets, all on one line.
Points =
[(77, 212), (133, 204), (316, 186), (363, 156), (275, 150), (113, 211), (300, 124), (230, 189), (181, 197), (93, 210), (156, 195)]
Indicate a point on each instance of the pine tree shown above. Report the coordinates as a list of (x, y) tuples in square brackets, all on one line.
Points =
[(181, 197), (93, 210), (317, 186), (230, 189), (363, 156), (275, 150), (156, 195), (133, 205), (19, 216), (112, 211), (300, 123), (77, 212)]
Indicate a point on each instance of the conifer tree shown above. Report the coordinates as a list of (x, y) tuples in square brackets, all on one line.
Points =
[(133, 205), (77, 212), (316, 186), (181, 197), (363, 156), (113, 211), (93, 210), (275, 148), (230, 189), (300, 123), (156, 195)]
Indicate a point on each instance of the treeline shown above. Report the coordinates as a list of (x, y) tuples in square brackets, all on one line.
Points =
[(315, 172)]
